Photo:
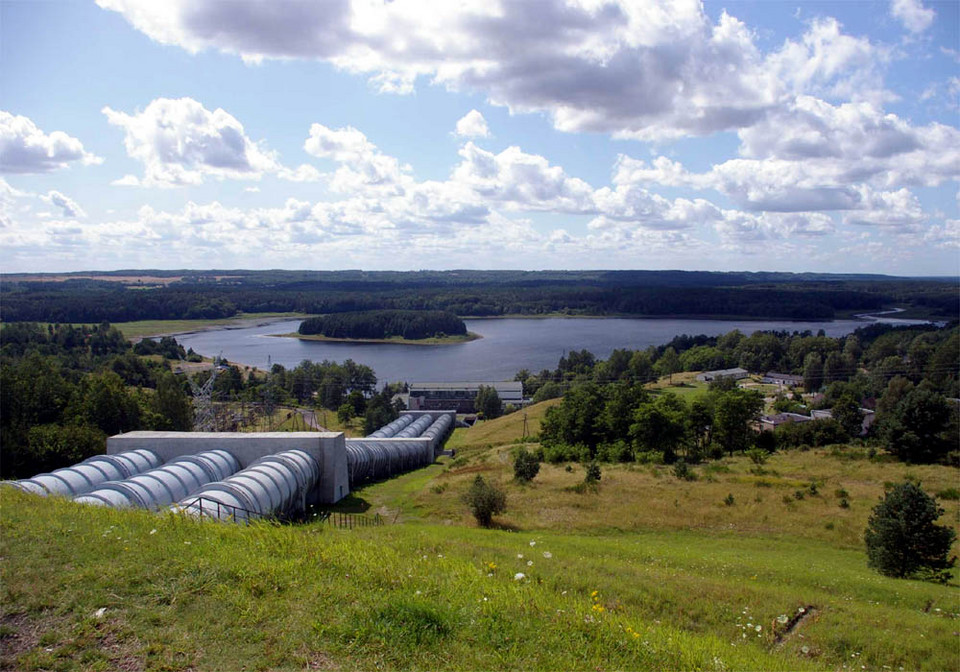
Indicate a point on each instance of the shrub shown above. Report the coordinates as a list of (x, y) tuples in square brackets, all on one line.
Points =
[(683, 472), (526, 466), (593, 474), (902, 538), (729, 500), (758, 456), (485, 500)]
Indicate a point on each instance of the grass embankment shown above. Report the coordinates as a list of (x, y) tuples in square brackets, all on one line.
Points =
[(180, 595), (396, 340), (683, 580)]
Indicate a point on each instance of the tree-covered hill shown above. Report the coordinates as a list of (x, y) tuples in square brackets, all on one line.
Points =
[(218, 294), (380, 324)]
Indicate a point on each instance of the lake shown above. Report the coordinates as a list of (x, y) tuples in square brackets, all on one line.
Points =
[(507, 346)]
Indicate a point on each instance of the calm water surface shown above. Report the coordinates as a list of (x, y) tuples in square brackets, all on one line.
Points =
[(507, 346)]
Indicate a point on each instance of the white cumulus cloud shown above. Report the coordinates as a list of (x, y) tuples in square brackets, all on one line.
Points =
[(472, 125), (912, 14), (67, 205), (24, 148), (181, 142)]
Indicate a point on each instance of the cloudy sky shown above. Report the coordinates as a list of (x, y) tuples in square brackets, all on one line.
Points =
[(516, 134)]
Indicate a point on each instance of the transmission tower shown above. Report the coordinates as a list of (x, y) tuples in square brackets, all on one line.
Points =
[(204, 418)]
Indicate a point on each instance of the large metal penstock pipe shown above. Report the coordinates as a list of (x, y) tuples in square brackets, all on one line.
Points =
[(416, 427), (91, 473), (274, 484), (439, 430), (166, 484), (391, 429)]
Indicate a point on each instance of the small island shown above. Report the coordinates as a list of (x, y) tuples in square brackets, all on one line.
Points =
[(413, 327)]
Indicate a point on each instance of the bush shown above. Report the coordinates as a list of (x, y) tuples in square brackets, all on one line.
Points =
[(902, 538), (683, 472), (758, 456), (593, 474), (485, 500), (526, 466)]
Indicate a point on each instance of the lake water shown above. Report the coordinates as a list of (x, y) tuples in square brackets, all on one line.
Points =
[(507, 346)]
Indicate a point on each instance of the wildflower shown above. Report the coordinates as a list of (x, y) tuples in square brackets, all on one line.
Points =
[(547, 554), (533, 543), (417, 593), (782, 619), (529, 563), (153, 531), (594, 594), (758, 628), (598, 608), (519, 556), (519, 576), (100, 612), (801, 610), (491, 566)]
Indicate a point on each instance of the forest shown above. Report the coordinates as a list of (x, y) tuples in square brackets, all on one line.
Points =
[(219, 294), (64, 389), (381, 324), (908, 376)]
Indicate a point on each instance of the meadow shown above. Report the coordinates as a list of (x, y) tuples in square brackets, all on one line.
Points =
[(647, 572)]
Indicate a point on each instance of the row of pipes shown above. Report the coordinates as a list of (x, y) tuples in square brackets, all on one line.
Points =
[(211, 483), (370, 459)]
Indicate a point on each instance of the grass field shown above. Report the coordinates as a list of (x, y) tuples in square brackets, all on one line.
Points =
[(151, 328), (92, 589), (648, 572)]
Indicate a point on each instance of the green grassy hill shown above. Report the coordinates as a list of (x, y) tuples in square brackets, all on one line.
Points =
[(647, 573)]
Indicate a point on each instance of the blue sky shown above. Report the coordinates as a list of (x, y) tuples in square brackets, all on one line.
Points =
[(522, 135)]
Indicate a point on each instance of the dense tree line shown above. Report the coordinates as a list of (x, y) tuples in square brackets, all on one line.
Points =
[(379, 324), (64, 389), (907, 374), (473, 293)]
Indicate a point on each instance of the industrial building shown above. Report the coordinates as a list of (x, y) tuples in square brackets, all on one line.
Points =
[(239, 476), (460, 396), (710, 376)]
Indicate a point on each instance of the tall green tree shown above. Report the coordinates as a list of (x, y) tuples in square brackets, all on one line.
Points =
[(914, 430), (173, 405), (661, 425), (903, 538), (488, 402), (735, 416), (847, 412)]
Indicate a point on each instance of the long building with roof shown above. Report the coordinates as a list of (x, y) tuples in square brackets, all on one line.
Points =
[(460, 396)]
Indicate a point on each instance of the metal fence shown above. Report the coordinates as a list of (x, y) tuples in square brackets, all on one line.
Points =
[(348, 521)]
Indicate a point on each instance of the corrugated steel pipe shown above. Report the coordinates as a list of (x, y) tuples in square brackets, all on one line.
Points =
[(274, 484), (439, 430), (391, 429), (166, 484), (415, 428), (91, 473)]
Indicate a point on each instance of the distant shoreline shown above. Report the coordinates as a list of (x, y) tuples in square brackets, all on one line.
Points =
[(446, 340)]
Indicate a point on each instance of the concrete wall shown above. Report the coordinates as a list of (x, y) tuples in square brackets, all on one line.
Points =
[(328, 448)]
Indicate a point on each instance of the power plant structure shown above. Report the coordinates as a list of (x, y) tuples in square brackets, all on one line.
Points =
[(244, 476)]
